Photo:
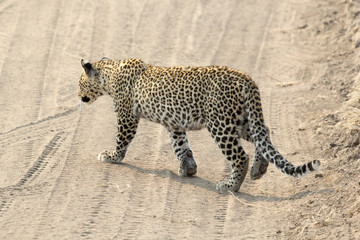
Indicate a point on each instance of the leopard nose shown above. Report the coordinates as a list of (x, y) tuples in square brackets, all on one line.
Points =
[(85, 99)]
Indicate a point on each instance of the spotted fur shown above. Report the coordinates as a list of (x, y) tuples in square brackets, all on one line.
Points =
[(225, 101)]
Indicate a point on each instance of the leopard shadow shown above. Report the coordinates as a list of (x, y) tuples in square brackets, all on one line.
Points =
[(210, 186)]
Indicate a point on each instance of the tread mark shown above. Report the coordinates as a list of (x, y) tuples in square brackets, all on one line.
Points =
[(67, 112)]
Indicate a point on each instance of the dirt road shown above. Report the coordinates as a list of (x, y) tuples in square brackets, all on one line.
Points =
[(53, 187)]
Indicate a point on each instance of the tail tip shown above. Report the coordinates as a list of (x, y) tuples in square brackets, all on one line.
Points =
[(316, 165)]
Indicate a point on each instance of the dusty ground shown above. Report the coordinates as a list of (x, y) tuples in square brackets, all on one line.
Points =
[(305, 57)]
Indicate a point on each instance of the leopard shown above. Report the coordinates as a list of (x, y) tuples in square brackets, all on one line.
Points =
[(223, 100)]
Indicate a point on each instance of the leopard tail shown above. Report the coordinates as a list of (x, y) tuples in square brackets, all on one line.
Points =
[(260, 136)]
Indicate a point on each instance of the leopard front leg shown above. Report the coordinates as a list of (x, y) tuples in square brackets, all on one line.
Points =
[(127, 125), (183, 152)]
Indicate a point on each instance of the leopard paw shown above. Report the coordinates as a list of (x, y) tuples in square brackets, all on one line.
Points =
[(111, 157), (188, 165), (258, 169), (227, 186)]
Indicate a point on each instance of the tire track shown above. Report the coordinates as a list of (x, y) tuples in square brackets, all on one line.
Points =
[(286, 125), (69, 202), (173, 215), (9, 193), (171, 212), (224, 32), (275, 105), (189, 203), (25, 48), (136, 217), (40, 101), (263, 41), (8, 37), (24, 137), (133, 216), (222, 204), (40, 164), (22, 144), (82, 23), (58, 194), (288, 140), (33, 98), (220, 219), (172, 196), (79, 199), (50, 85), (38, 122), (35, 131), (89, 227)]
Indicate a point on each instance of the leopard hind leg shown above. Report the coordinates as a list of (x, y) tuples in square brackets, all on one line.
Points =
[(260, 164), (228, 141)]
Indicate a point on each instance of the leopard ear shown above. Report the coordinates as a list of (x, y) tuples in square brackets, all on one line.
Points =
[(87, 66)]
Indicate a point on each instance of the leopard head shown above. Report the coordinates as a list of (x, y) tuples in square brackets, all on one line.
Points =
[(90, 83)]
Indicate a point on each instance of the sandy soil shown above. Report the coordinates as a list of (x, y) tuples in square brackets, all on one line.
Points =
[(305, 57)]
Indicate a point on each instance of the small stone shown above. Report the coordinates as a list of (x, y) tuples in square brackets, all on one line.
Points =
[(303, 26), (357, 44), (319, 175), (278, 231), (332, 145)]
